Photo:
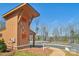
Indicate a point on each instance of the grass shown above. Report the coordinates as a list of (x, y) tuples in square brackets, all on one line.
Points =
[(19, 53), (22, 53), (6, 53), (33, 52), (28, 52), (70, 53)]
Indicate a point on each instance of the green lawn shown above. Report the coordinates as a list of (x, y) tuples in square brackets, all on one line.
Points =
[(22, 53), (19, 54)]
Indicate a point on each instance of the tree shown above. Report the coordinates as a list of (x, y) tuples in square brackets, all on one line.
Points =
[(2, 25), (74, 35), (55, 34), (37, 29), (44, 32)]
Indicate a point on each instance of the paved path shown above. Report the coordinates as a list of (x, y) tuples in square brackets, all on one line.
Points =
[(57, 52)]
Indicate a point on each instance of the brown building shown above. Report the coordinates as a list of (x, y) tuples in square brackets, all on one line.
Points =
[(18, 22)]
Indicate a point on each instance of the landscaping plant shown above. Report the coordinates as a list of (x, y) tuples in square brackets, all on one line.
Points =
[(3, 46)]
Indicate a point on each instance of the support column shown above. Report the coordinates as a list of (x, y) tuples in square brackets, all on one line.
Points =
[(33, 40)]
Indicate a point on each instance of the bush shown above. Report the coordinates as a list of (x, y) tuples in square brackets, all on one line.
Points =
[(3, 46)]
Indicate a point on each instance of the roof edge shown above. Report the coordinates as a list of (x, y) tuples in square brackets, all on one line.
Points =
[(17, 7)]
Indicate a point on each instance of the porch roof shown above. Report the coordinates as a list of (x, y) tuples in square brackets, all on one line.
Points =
[(31, 9), (32, 32)]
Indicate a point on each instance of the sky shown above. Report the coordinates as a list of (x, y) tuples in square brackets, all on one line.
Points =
[(51, 14)]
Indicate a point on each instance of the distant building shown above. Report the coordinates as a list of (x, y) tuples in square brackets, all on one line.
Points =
[(17, 30)]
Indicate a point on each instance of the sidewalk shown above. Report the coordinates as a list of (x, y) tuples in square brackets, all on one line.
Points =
[(57, 52)]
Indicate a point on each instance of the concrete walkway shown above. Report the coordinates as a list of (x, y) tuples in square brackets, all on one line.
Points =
[(57, 52)]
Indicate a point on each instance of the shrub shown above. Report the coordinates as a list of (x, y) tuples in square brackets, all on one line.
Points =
[(3, 46)]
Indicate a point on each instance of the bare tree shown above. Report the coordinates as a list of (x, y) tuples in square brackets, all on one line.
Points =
[(37, 29), (73, 35), (55, 34), (37, 26), (44, 30)]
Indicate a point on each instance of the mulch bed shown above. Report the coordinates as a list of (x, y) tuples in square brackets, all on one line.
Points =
[(39, 51)]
